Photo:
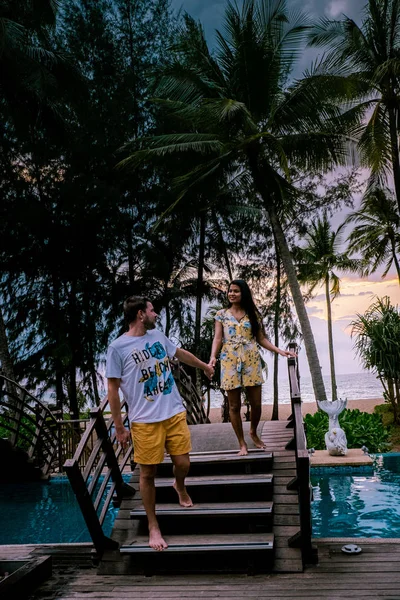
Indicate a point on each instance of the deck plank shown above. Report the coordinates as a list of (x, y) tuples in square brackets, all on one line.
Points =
[(70, 582)]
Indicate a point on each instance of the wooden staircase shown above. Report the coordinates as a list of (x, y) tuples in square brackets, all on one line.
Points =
[(227, 530)]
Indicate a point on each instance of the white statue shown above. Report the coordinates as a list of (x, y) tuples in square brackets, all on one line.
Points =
[(335, 438)]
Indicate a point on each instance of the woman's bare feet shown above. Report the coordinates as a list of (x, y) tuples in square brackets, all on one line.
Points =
[(243, 450), (156, 540), (184, 498), (257, 442)]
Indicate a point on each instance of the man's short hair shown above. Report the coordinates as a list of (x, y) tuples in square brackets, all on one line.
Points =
[(132, 305)]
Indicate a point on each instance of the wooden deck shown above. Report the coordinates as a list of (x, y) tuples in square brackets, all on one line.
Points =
[(374, 574), (242, 519)]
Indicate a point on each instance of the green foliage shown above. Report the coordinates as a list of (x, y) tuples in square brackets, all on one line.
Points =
[(361, 429), (361, 64), (27, 429), (377, 334)]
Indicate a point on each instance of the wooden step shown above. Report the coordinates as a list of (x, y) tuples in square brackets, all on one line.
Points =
[(209, 510), (240, 553), (219, 488), (224, 462), (239, 517)]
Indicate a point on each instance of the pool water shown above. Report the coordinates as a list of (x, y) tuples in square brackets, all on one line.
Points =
[(44, 513), (358, 504)]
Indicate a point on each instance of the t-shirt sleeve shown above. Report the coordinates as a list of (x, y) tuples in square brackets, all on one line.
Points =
[(170, 347), (219, 315), (113, 363)]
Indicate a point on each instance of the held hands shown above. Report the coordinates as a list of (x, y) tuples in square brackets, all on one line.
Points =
[(213, 362), (209, 370), (123, 437)]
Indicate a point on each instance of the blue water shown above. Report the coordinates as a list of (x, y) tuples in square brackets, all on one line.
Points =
[(44, 513), (353, 386), (358, 505)]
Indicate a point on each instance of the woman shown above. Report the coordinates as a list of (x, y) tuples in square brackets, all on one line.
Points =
[(238, 329)]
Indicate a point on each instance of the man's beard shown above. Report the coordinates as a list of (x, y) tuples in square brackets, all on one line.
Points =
[(148, 323)]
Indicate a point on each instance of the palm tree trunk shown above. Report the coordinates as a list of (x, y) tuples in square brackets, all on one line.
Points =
[(275, 407), (7, 367), (395, 154), (330, 340), (131, 267), (223, 246), (74, 344), (58, 365), (167, 313), (199, 294), (395, 259), (308, 336)]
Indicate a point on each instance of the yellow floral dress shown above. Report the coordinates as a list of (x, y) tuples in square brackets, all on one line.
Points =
[(240, 358)]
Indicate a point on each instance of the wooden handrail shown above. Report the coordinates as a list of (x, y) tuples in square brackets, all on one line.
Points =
[(193, 402), (301, 481), (31, 424), (102, 459)]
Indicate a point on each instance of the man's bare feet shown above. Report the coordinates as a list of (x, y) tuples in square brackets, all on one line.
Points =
[(184, 498), (243, 450), (156, 540), (257, 442)]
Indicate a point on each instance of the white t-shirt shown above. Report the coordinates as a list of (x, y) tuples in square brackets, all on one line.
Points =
[(142, 364)]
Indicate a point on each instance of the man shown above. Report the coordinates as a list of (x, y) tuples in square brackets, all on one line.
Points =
[(138, 364)]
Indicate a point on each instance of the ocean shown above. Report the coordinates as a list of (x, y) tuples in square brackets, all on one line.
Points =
[(354, 386)]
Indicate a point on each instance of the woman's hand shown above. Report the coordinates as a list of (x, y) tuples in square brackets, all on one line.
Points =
[(287, 353), (212, 362)]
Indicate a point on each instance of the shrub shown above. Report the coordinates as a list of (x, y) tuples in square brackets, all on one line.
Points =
[(361, 429)]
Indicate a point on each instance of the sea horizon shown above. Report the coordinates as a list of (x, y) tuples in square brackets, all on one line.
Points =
[(353, 386)]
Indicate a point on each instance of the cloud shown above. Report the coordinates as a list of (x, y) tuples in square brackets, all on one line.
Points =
[(336, 8)]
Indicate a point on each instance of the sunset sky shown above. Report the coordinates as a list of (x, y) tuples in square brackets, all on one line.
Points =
[(356, 294)]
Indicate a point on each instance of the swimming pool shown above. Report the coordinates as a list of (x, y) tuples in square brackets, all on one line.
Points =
[(44, 513), (358, 504)]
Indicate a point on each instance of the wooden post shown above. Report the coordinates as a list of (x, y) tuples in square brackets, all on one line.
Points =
[(111, 459)]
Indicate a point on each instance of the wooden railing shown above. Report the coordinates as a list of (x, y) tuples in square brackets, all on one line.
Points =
[(301, 482), (193, 402), (70, 435), (95, 473), (29, 424)]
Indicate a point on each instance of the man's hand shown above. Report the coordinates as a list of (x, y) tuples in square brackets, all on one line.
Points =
[(123, 437), (209, 371)]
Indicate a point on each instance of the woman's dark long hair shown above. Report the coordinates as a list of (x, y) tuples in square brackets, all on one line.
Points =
[(247, 303)]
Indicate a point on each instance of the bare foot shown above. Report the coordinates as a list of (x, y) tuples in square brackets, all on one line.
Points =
[(243, 450), (257, 442), (156, 540), (184, 498)]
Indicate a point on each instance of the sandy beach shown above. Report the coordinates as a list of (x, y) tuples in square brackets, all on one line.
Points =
[(366, 405)]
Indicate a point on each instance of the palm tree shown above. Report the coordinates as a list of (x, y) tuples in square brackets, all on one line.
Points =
[(366, 59), (239, 115), (31, 70), (377, 334), (318, 263), (377, 232)]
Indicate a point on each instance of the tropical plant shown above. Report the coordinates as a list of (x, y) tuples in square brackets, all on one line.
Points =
[(362, 66), (377, 335), (361, 429), (238, 114), (376, 234), (318, 263)]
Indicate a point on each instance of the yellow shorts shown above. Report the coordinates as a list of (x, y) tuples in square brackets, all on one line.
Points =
[(150, 439)]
